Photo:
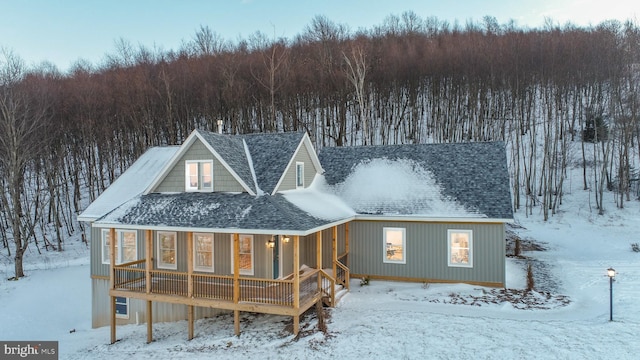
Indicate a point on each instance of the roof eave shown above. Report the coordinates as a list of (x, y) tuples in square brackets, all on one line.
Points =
[(419, 218)]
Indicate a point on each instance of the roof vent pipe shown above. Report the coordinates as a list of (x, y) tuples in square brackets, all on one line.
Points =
[(220, 122)]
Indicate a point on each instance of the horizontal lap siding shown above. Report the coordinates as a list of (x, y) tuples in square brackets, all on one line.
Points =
[(289, 179), (174, 181), (426, 252)]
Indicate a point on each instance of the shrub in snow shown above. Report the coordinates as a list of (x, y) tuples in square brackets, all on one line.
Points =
[(635, 247), (529, 277)]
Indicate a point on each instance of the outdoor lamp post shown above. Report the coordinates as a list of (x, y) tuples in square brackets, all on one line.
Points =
[(611, 273)]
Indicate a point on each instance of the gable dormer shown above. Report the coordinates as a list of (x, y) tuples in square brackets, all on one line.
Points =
[(301, 169), (204, 164)]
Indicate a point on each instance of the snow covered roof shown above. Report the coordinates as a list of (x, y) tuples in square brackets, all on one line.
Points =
[(131, 183), (427, 181), (220, 212), (430, 180), (271, 153), (231, 149)]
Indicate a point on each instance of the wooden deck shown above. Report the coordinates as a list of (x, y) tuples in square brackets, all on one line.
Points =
[(197, 289)]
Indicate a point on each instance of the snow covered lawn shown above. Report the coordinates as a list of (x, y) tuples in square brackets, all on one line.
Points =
[(385, 320)]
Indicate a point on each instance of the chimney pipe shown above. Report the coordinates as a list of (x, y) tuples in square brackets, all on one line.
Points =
[(220, 122)]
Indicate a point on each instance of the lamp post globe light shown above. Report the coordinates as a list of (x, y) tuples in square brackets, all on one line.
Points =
[(611, 273)]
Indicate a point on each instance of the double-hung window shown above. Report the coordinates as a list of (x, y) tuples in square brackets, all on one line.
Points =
[(299, 175), (126, 246), (167, 244), (199, 175), (460, 245), (203, 252), (246, 254)]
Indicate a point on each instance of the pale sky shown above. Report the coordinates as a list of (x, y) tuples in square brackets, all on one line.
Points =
[(63, 31)]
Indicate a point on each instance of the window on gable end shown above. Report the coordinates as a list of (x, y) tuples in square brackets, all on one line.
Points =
[(199, 175), (299, 175)]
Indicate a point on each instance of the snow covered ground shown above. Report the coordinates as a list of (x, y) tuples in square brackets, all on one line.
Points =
[(385, 320)]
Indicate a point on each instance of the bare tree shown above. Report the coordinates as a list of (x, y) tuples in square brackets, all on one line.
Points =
[(22, 121)]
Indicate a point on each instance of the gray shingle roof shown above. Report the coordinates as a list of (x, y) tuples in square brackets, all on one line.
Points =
[(473, 174), (231, 149), (214, 211), (271, 154)]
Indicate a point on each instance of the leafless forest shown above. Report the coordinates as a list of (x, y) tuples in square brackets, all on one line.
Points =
[(410, 80)]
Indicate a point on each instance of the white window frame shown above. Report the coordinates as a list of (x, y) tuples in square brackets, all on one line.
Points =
[(160, 263), (450, 233), (385, 259), (200, 175), (195, 253), (299, 175), (106, 250), (126, 304), (253, 252)]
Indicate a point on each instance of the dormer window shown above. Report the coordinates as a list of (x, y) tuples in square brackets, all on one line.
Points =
[(199, 175), (299, 175)]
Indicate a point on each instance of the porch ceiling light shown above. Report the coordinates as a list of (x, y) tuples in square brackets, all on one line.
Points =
[(271, 243), (285, 239)]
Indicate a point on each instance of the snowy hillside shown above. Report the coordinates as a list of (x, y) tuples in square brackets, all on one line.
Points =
[(568, 317)]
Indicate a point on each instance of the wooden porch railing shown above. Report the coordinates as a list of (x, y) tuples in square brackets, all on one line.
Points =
[(132, 276), (213, 286), (328, 286), (342, 271), (265, 291)]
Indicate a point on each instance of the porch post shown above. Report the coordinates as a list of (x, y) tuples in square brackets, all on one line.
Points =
[(346, 259), (148, 250), (236, 282), (296, 283), (190, 281), (190, 320), (334, 251), (149, 321), (319, 250), (346, 242), (319, 257), (148, 236), (112, 281)]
